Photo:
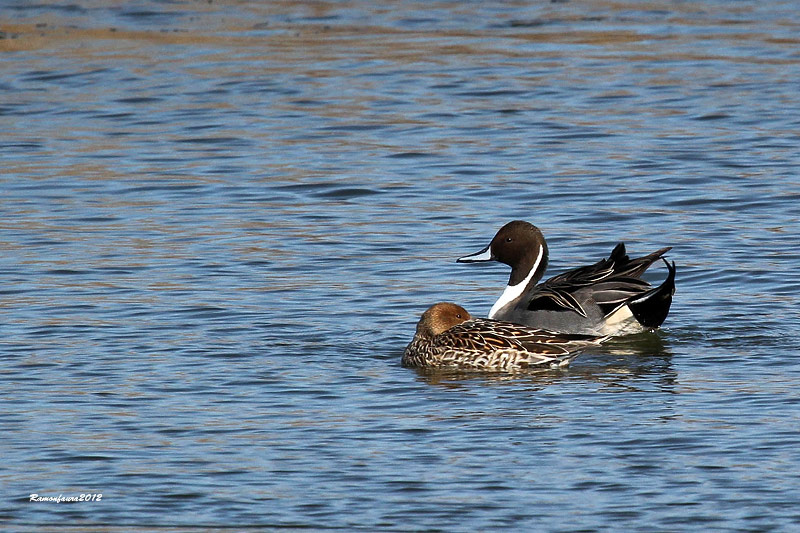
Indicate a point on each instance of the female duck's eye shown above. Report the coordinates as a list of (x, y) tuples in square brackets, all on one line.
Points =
[(458, 315), (509, 239)]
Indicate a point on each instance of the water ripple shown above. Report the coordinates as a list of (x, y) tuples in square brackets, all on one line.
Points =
[(220, 232)]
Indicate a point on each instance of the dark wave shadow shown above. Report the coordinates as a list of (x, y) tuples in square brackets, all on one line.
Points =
[(634, 362), (533, 379), (642, 344)]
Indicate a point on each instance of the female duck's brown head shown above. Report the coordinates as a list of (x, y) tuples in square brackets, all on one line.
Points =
[(441, 317)]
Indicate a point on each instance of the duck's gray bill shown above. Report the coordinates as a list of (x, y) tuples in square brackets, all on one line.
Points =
[(483, 255)]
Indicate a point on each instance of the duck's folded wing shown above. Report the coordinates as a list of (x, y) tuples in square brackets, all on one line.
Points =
[(481, 334), (555, 294), (611, 294), (555, 298), (634, 268), (611, 280), (477, 335)]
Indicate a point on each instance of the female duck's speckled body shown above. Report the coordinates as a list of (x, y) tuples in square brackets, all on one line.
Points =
[(448, 337)]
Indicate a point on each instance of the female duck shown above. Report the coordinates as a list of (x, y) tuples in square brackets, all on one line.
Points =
[(448, 337), (606, 298)]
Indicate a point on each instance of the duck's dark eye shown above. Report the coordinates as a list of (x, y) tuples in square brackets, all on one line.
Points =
[(458, 315), (509, 239)]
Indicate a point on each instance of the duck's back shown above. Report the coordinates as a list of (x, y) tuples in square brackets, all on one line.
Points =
[(597, 299)]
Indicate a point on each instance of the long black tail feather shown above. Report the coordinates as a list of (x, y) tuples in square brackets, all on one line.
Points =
[(652, 307), (634, 268)]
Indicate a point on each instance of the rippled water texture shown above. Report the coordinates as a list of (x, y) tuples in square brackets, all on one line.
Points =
[(221, 220)]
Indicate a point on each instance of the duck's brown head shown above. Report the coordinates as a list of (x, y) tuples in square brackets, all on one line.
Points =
[(441, 317), (521, 246)]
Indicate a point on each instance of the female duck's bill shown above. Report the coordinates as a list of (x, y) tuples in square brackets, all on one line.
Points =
[(606, 298), (448, 336)]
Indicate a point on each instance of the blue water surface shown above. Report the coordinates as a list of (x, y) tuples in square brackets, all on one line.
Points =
[(221, 221)]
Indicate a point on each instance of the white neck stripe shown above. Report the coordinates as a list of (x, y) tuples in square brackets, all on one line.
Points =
[(513, 292)]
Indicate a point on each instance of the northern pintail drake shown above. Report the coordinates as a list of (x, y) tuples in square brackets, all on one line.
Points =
[(448, 337), (606, 298)]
